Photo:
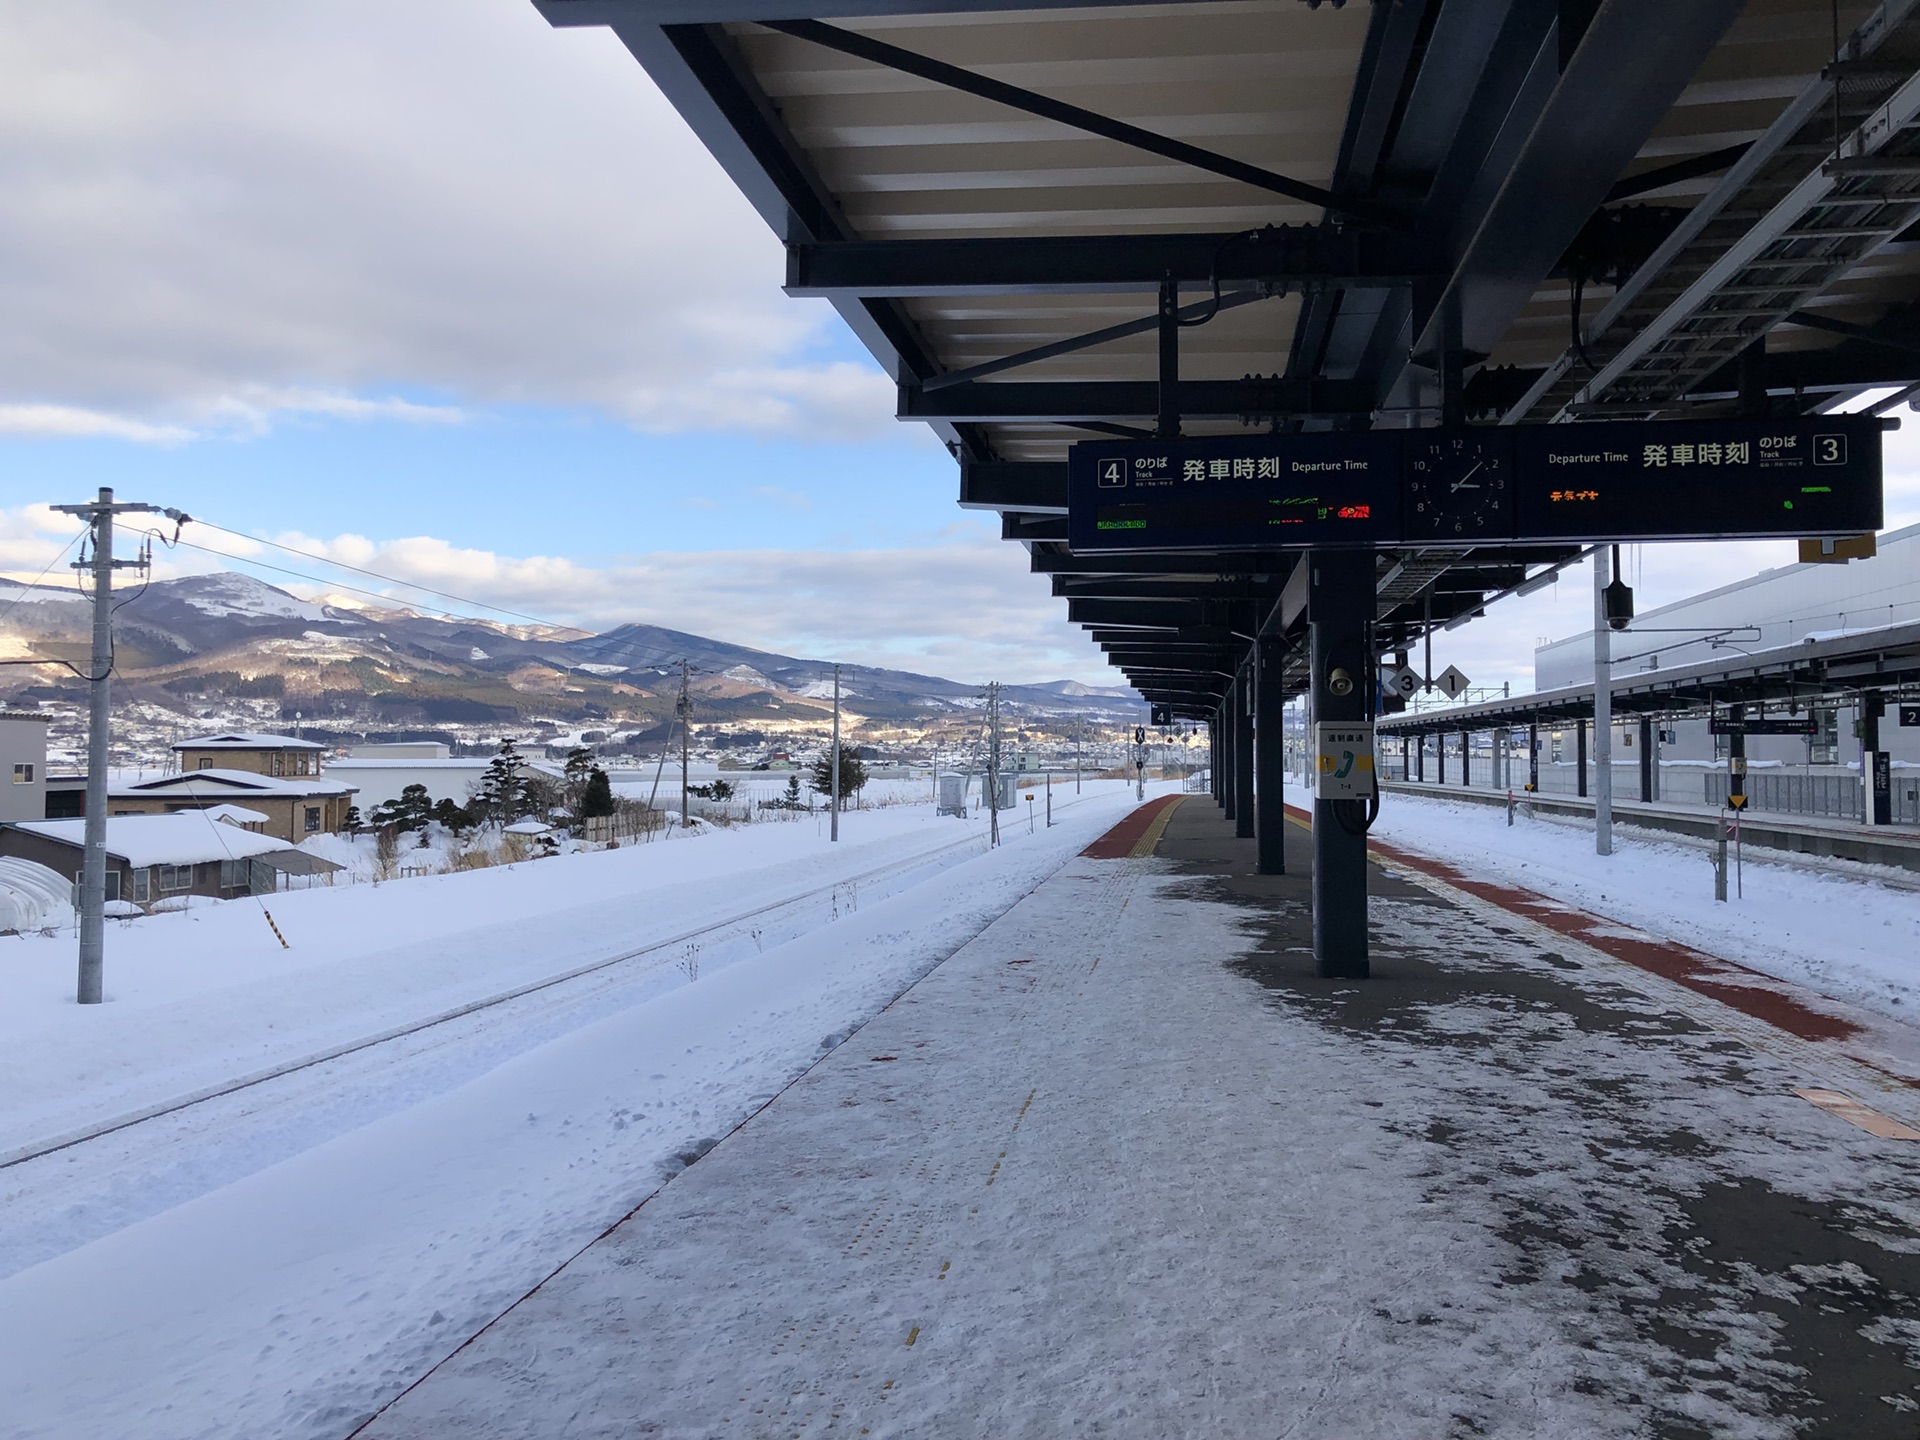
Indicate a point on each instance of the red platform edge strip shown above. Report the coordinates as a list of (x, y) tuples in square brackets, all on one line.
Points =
[(1749, 991), (1118, 843)]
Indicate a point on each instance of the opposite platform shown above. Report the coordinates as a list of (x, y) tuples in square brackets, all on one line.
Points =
[(1122, 1166)]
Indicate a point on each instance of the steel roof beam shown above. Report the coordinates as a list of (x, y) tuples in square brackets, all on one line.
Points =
[(1276, 256), (1256, 400), (1160, 613), (924, 67), (1036, 486), (1201, 310), (571, 14), (1170, 587), (1630, 66), (1047, 560)]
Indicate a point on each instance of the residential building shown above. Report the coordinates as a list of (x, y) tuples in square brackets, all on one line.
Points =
[(275, 755), (290, 809), (23, 766), (153, 857)]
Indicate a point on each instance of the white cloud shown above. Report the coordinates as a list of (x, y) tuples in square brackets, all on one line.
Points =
[(220, 215), (41, 421), (961, 605)]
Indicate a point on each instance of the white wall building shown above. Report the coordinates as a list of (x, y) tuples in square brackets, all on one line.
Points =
[(1767, 611), (23, 766)]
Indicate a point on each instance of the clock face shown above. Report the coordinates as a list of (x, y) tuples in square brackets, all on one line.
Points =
[(1460, 486)]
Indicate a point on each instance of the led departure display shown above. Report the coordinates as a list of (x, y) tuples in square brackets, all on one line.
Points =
[(1612, 480), (1236, 492)]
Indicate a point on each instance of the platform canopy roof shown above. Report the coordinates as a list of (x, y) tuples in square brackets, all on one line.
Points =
[(1635, 208)]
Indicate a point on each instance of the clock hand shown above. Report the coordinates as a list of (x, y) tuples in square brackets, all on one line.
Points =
[(1461, 483)]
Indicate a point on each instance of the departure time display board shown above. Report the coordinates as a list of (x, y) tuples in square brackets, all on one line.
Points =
[(1237, 492), (1610, 480)]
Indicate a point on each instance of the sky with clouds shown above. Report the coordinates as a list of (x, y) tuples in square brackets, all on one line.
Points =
[(431, 288)]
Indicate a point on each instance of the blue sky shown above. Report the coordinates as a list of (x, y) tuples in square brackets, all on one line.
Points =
[(468, 306), (437, 290)]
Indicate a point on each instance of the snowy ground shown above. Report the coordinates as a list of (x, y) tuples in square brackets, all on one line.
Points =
[(1848, 931), (279, 1260), (1123, 1167)]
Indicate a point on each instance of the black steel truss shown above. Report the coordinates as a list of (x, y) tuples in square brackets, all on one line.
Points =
[(908, 62), (1275, 257)]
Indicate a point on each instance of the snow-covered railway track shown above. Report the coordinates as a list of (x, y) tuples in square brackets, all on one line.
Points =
[(663, 949), (770, 922)]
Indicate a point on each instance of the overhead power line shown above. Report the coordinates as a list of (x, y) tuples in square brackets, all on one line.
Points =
[(361, 570)]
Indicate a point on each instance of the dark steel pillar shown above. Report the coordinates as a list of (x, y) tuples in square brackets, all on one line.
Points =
[(1243, 754), (1269, 757), (1466, 757), (1420, 756), (1440, 757), (1226, 753), (1646, 759), (1533, 756), (1876, 765), (1340, 606), (1213, 757), (1580, 753)]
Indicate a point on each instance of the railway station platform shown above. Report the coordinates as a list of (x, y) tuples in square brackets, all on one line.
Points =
[(1122, 1166), (1897, 846)]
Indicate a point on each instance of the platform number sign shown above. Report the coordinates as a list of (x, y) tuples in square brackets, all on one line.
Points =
[(1402, 682), (1829, 449), (1452, 683), (1111, 474), (1910, 716)]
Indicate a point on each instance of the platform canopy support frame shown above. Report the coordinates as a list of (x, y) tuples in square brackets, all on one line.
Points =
[(1468, 213)]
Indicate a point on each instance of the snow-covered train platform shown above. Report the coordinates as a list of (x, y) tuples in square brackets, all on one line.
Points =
[(1122, 1166)]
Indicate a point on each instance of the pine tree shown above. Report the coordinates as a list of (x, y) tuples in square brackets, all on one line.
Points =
[(853, 774), (596, 796), (410, 811), (503, 787)]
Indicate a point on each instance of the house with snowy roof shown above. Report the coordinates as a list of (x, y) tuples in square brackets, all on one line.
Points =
[(152, 857), (290, 808), (276, 755)]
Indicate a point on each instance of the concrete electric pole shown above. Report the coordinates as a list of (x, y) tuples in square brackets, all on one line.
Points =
[(686, 714), (98, 514), (993, 763), (833, 828)]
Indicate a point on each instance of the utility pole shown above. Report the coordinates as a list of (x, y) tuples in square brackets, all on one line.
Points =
[(1079, 742), (98, 514), (1602, 708), (993, 763), (833, 829), (686, 714)]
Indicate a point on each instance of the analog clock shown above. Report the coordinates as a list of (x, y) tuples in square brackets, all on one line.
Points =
[(1459, 485)]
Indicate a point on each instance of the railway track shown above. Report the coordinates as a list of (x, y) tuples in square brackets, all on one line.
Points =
[(662, 951)]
